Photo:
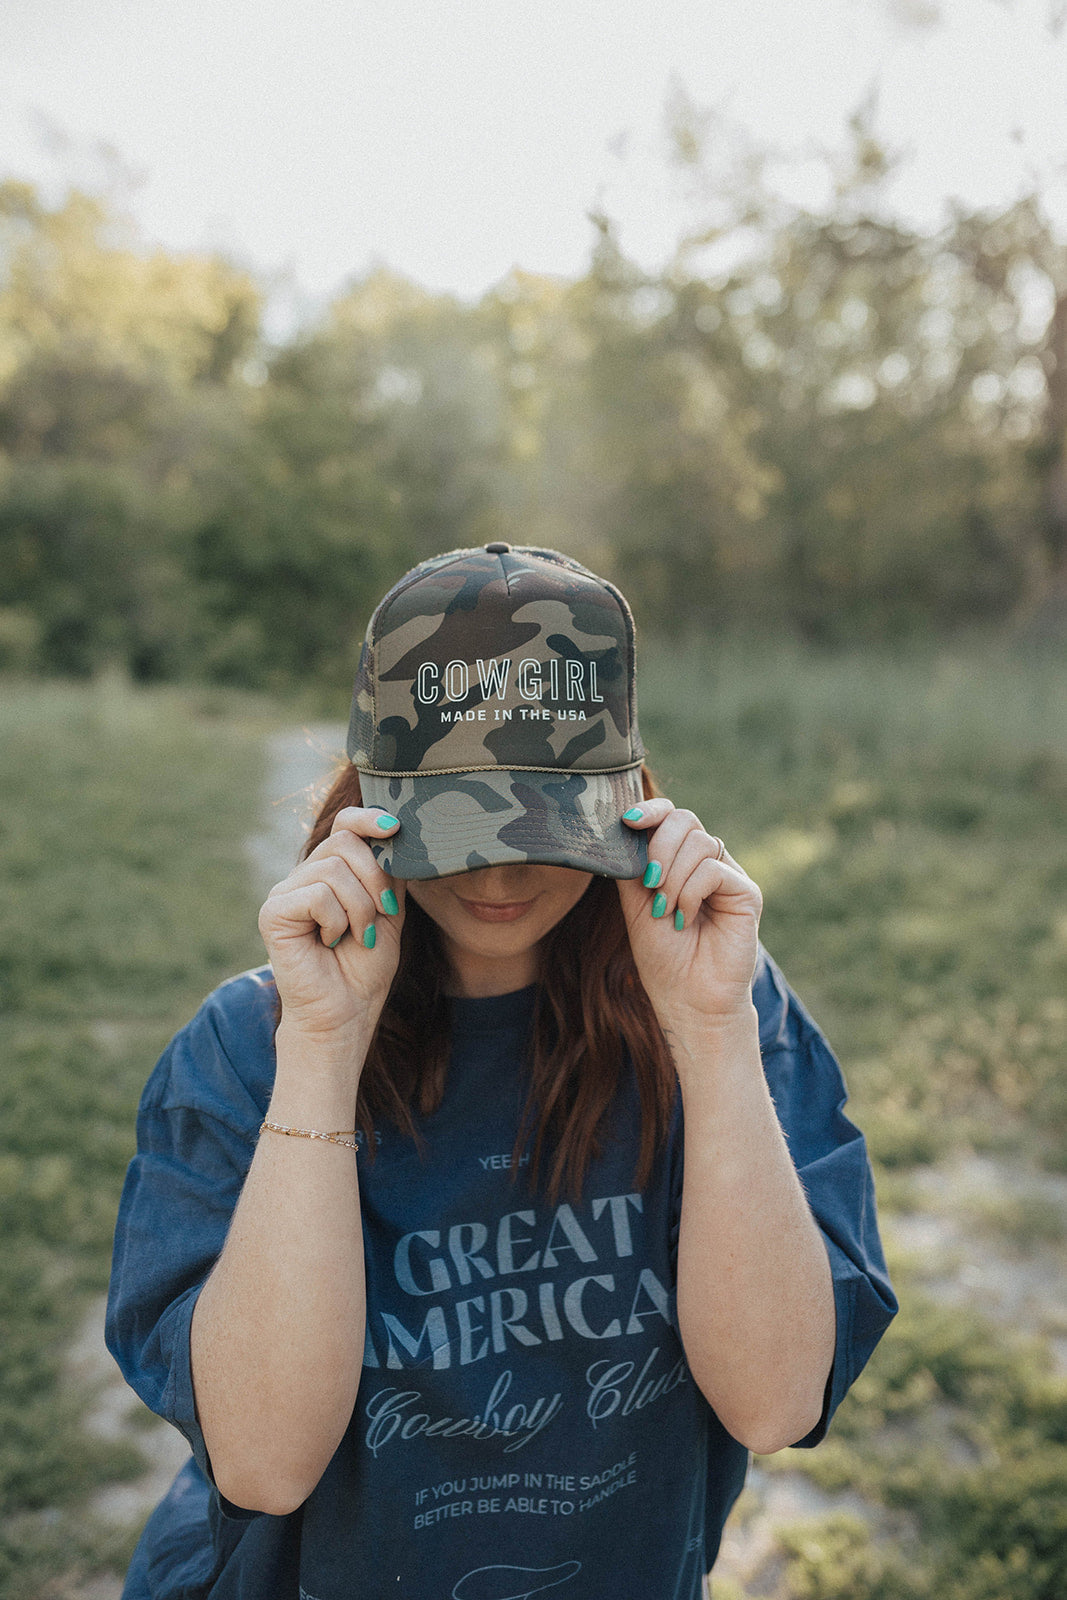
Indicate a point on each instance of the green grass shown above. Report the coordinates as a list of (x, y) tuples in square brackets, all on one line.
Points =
[(905, 820), (124, 898)]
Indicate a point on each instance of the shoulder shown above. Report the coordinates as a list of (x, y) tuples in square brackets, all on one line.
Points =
[(783, 1021), (222, 1062), (803, 1074), (242, 1007)]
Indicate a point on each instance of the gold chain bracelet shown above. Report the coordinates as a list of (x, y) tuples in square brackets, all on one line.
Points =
[(347, 1137)]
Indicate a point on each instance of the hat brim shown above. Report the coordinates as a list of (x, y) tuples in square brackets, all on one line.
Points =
[(457, 821)]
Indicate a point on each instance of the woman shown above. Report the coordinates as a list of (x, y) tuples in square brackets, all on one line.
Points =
[(591, 1225)]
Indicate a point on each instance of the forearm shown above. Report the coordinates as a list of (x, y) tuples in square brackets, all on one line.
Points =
[(277, 1333), (755, 1294)]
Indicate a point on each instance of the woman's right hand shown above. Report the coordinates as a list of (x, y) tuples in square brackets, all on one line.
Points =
[(332, 932)]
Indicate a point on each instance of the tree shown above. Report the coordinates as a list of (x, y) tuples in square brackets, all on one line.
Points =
[(368, 448), (892, 379), (119, 372)]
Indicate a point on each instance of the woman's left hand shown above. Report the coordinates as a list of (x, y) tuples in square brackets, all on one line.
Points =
[(694, 928)]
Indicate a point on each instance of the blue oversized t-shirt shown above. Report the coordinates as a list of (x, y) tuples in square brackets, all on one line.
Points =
[(526, 1422)]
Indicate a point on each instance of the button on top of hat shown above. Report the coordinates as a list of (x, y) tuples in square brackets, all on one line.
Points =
[(498, 549)]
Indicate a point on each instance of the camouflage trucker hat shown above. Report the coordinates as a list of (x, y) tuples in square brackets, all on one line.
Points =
[(494, 714)]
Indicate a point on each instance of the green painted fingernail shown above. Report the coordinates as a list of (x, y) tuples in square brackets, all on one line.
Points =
[(633, 815), (336, 941), (653, 873), (659, 905), (386, 821), (370, 933), (679, 920), (390, 904)]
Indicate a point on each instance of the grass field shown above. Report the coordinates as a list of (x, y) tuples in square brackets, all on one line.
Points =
[(124, 898), (906, 821)]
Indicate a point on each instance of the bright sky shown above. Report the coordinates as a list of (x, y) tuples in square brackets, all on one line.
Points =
[(453, 139)]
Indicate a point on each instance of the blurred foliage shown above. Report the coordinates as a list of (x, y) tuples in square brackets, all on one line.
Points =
[(818, 421)]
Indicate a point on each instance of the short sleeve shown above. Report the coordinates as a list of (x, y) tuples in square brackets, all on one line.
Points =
[(196, 1133), (830, 1156)]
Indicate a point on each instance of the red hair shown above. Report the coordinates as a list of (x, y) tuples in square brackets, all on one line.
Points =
[(591, 1022)]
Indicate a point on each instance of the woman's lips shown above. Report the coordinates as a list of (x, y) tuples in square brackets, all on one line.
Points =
[(494, 911)]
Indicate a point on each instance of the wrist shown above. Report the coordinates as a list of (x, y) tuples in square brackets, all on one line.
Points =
[(718, 1028), (329, 1054), (316, 1080), (706, 1044)]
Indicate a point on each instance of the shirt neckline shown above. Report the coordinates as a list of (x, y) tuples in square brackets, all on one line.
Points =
[(489, 1012)]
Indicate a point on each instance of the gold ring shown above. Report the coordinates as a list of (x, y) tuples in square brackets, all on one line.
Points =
[(722, 848)]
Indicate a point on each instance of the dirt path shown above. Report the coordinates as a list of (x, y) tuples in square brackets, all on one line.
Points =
[(985, 1233), (992, 1234), (299, 763)]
